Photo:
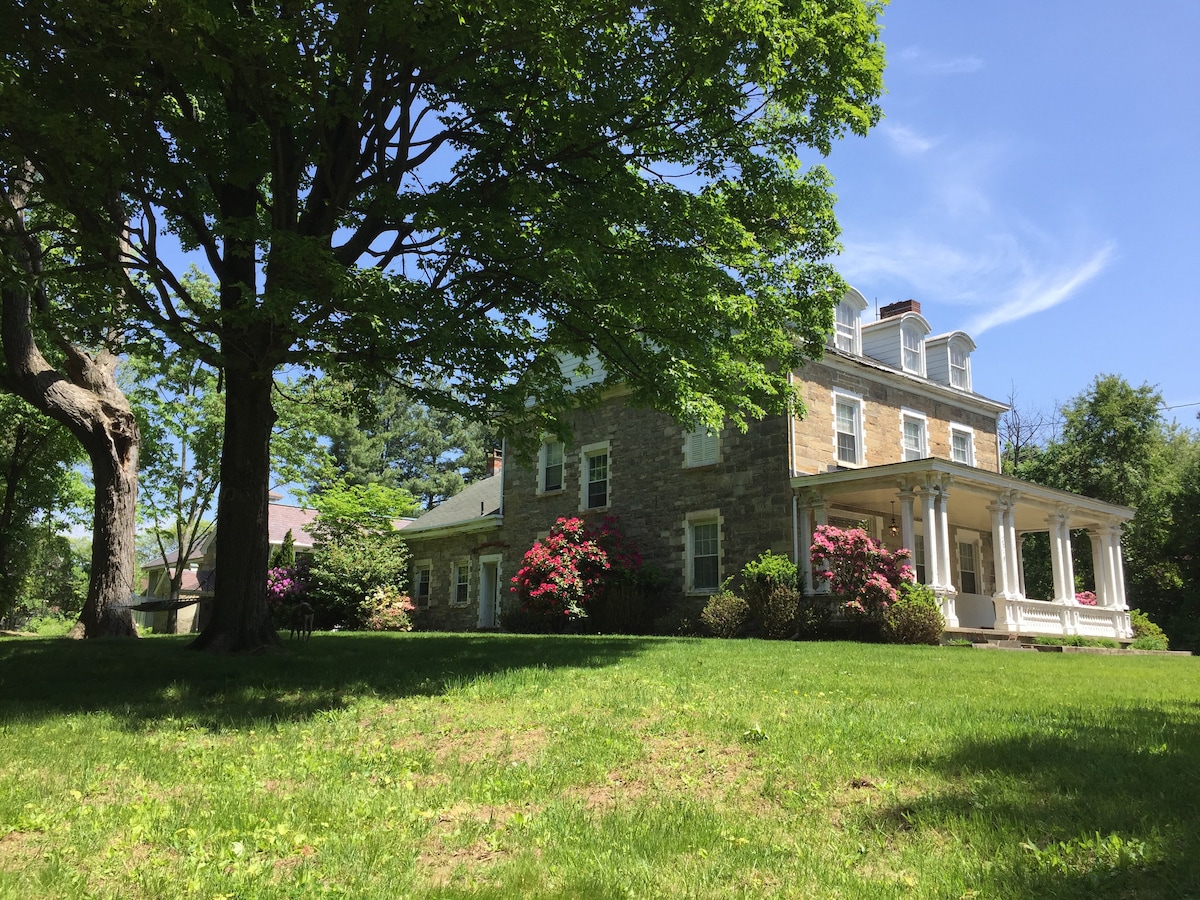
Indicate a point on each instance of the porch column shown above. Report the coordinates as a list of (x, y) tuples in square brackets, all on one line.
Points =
[(1101, 565), (806, 534), (1068, 557), (820, 516), (908, 532), (1021, 566), (1000, 550), (943, 503), (930, 518), (1060, 550), (1016, 569), (1119, 569)]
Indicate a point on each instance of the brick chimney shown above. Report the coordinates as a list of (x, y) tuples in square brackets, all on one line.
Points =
[(494, 457), (899, 308)]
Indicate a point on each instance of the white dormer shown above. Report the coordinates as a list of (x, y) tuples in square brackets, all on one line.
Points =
[(949, 359), (898, 338), (847, 335)]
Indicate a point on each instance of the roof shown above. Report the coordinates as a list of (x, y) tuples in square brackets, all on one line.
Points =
[(281, 517), (477, 504)]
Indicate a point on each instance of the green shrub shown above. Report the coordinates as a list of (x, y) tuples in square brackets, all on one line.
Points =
[(679, 621), (348, 568), (813, 613), (1144, 628), (725, 615), (769, 584), (1149, 642), (1077, 640), (915, 617), (49, 625)]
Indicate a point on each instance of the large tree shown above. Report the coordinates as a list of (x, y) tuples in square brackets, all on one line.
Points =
[(468, 191), (396, 441)]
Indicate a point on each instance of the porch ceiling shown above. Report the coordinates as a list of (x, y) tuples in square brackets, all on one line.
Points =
[(874, 489)]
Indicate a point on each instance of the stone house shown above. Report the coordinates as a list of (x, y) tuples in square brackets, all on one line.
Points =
[(893, 438)]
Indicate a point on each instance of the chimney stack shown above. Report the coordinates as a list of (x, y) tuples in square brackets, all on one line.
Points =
[(899, 308), (494, 458)]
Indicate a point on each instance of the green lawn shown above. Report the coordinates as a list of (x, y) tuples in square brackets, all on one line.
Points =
[(435, 765)]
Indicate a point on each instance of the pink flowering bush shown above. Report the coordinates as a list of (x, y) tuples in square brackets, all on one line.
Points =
[(567, 570), (860, 569), (1085, 598)]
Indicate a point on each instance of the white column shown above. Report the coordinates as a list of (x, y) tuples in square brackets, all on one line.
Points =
[(820, 517), (1021, 565), (943, 502), (930, 518), (1101, 565), (1119, 575), (1068, 558), (806, 535), (1057, 561), (1016, 568), (999, 550), (908, 532)]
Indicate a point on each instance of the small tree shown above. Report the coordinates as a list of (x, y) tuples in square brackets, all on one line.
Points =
[(285, 556)]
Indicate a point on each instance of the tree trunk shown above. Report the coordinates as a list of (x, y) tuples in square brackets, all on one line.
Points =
[(86, 399), (241, 621)]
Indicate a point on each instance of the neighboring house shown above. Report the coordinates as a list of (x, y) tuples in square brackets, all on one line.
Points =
[(893, 436), (198, 577)]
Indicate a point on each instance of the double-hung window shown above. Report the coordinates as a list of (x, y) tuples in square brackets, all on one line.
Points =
[(913, 350), (422, 578), (848, 430), (460, 582), (704, 553), (918, 557), (960, 368), (846, 328), (913, 437), (595, 472), (967, 567), (962, 446), (551, 466)]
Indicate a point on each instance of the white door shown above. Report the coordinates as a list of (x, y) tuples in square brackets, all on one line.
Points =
[(489, 591)]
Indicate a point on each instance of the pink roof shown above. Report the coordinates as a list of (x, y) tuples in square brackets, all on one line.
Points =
[(280, 518)]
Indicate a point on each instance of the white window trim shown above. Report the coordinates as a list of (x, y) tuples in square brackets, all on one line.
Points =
[(970, 433), (465, 564), (688, 461), (541, 467), (585, 452), (923, 450), (860, 437), (691, 520), (418, 566)]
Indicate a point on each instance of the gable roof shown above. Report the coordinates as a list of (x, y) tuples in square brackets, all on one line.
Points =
[(298, 518), (476, 505)]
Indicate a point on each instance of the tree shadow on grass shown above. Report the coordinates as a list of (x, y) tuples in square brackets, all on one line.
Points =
[(1129, 775), (156, 679)]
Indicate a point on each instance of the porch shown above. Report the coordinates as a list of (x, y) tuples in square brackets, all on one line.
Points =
[(965, 528)]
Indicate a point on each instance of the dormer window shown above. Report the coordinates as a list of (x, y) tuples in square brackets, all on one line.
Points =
[(914, 349), (846, 323), (960, 367)]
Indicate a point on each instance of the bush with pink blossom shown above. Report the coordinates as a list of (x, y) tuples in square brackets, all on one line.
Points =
[(866, 574)]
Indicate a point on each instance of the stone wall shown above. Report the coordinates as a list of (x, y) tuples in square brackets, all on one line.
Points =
[(883, 397), (443, 614)]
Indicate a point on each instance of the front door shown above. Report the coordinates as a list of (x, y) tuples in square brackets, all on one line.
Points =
[(489, 591)]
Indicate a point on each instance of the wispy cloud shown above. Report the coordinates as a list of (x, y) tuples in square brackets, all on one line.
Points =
[(958, 65), (1043, 291), (906, 140)]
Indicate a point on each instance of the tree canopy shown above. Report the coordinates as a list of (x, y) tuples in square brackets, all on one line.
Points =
[(464, 192)]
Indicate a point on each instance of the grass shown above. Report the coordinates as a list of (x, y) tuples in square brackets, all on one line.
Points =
[(433, 765)]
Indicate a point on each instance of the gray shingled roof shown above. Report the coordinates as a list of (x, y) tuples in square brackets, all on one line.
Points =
[(476, 501)]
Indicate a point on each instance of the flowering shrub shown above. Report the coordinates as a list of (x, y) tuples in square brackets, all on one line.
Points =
[(387, 609), (860, 569), (1085, 598), (286, 585), (562, 573)]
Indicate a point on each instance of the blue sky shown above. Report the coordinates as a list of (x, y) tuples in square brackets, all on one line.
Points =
[(1034, 182)]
